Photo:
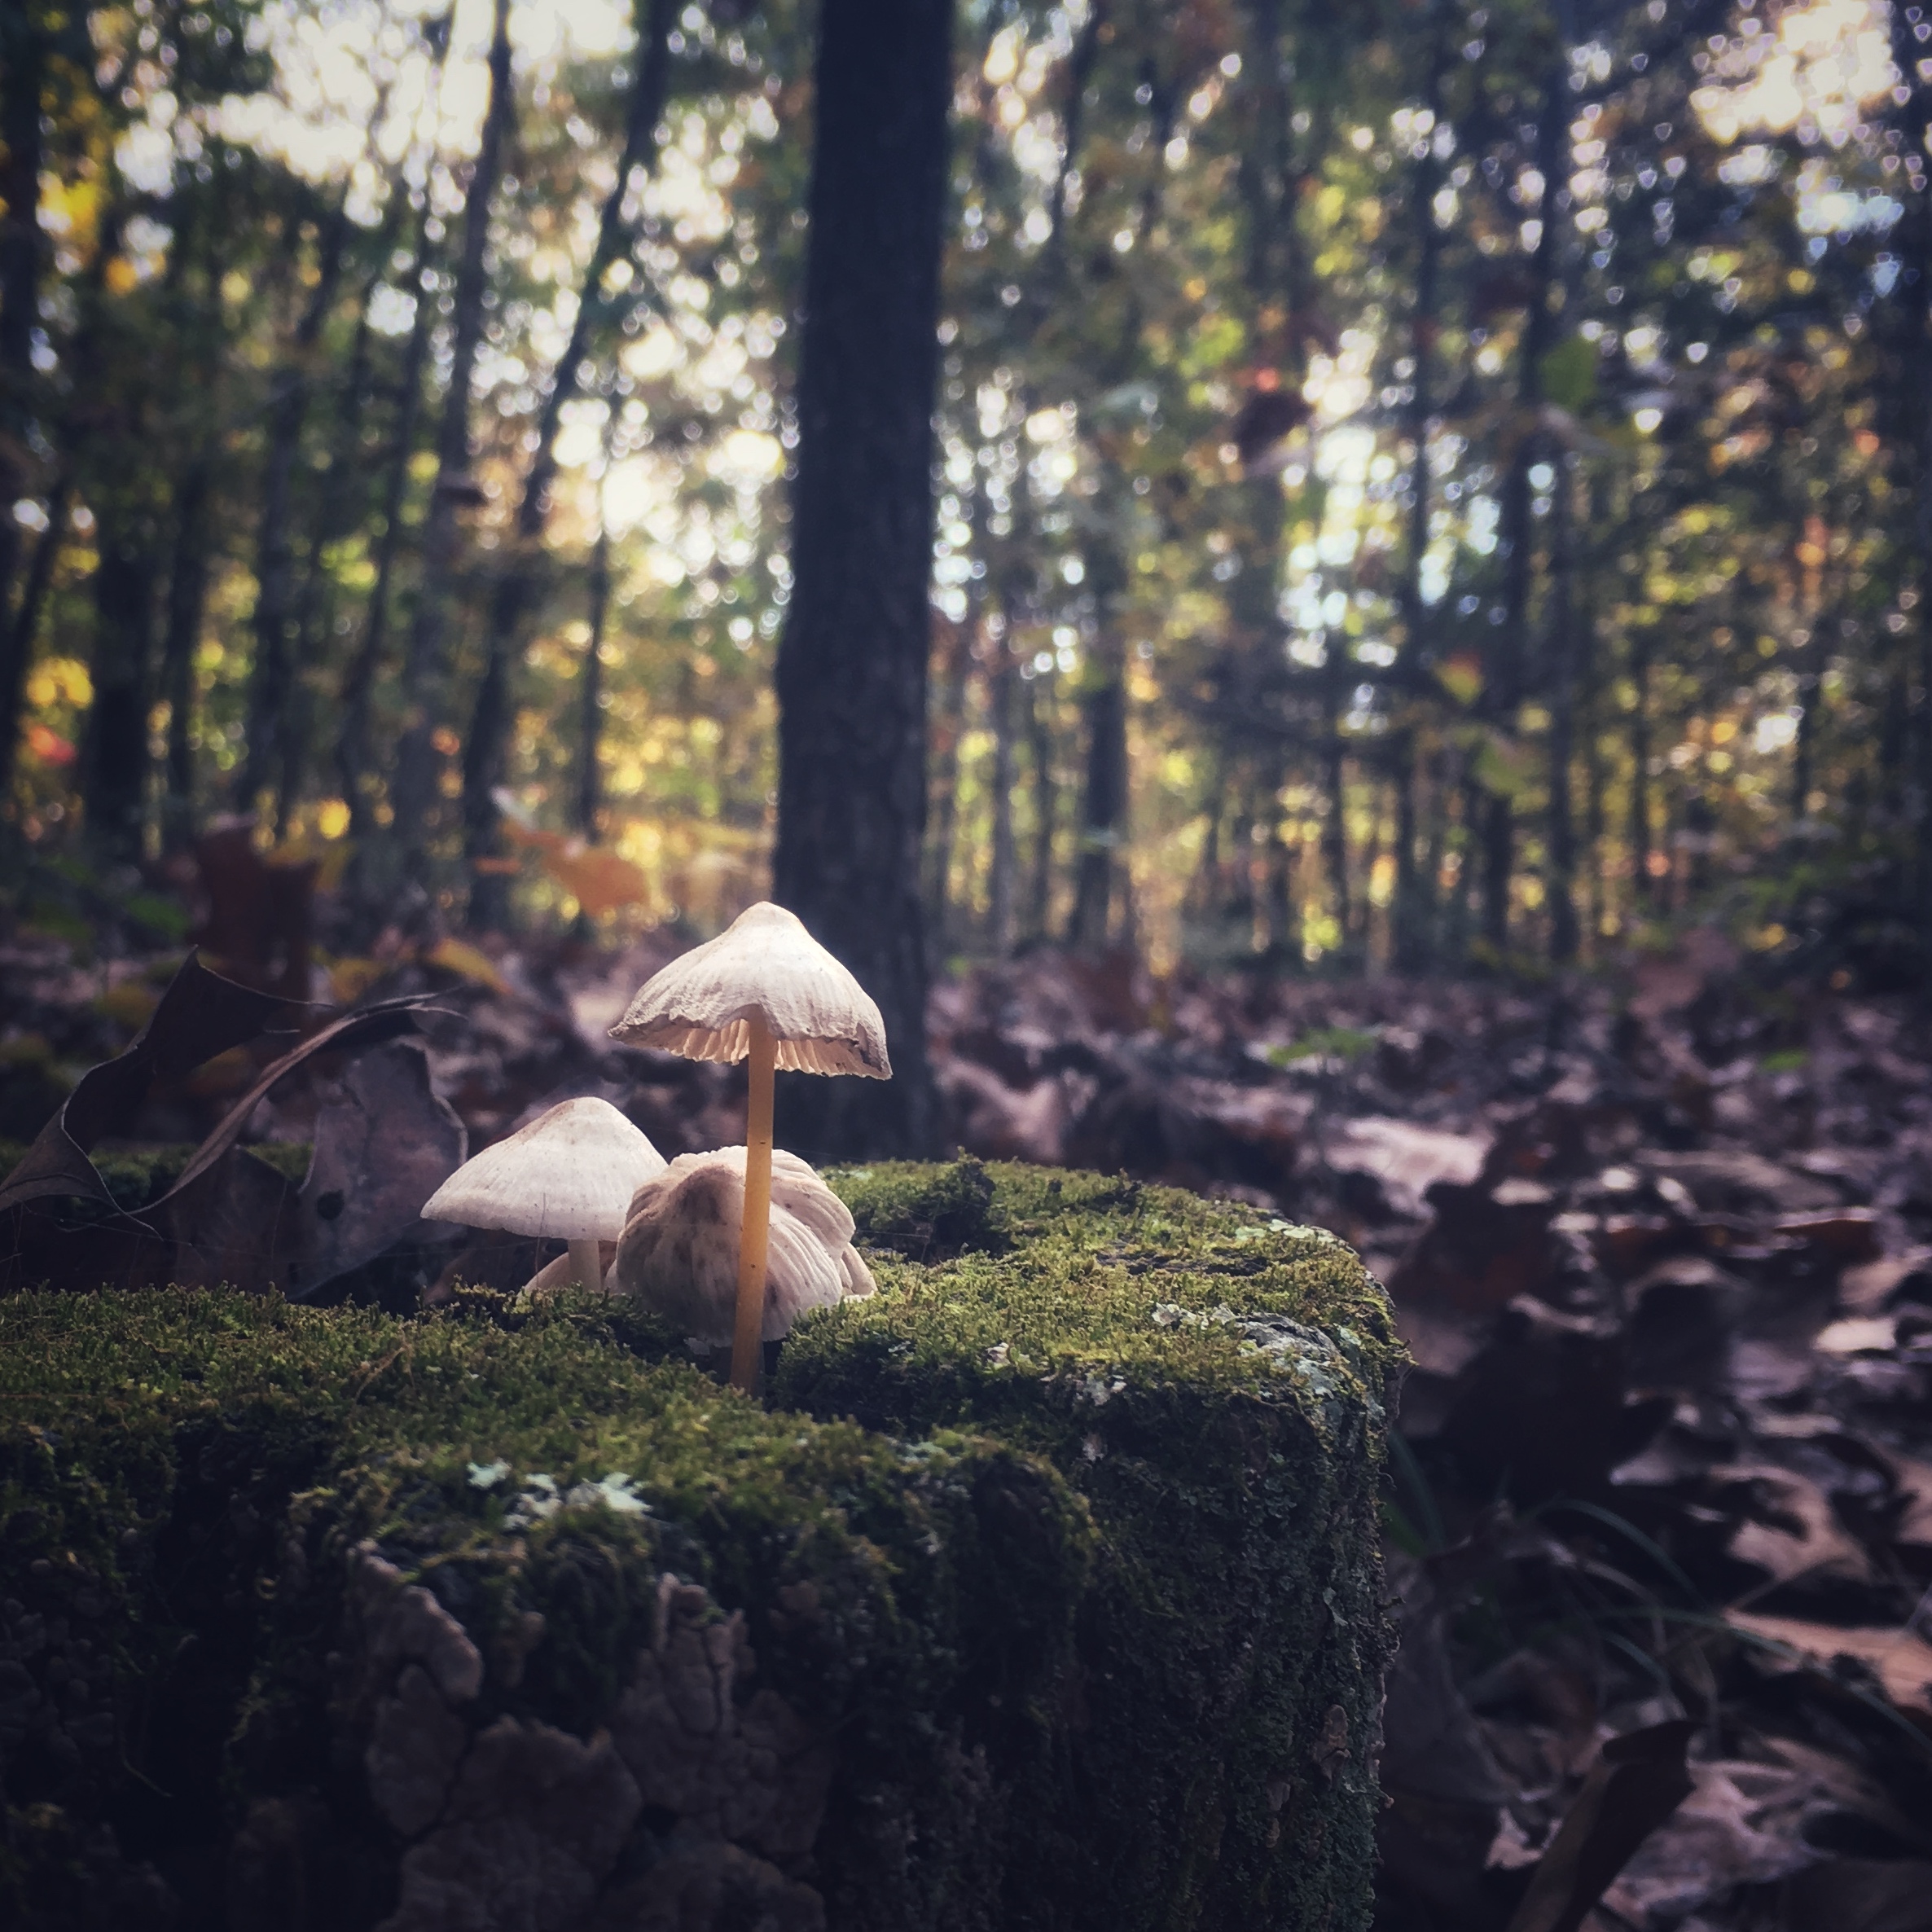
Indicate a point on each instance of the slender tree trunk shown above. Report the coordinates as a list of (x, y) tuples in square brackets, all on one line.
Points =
[(23, 71), (187, 598), (1103, 797), (1642, 888), (852, 663), (417, 791), (1045, 809), (521, 581), (591, 717), (1504, 692), (1334, 834), (1002, 676), (114, 779), (271, 676), (1560, 881), (949, 725), (357, 697), (1589, 705), (1409, 912)]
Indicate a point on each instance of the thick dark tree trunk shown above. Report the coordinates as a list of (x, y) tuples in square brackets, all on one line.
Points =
[(23, 67), (517, 589), (271, 678), (357, 692), (852, 663), (1913, 452), (417, 791)]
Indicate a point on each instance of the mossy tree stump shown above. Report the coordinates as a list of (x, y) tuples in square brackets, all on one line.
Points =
[(1043, 1593)]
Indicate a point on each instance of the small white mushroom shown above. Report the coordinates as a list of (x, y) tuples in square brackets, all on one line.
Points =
[(765, 991), (679, 1252), (568, 1176)]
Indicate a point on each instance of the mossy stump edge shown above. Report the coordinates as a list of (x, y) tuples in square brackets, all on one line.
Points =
[(1042, 1592)]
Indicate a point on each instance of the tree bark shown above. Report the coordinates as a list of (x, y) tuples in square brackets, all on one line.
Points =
[(520, 582), (851, 665), (271, 675), (417, 792), (23, 67)]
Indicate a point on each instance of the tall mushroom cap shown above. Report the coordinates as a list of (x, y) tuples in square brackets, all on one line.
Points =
[(568, 1176), (679, 1251), (701, 1005)]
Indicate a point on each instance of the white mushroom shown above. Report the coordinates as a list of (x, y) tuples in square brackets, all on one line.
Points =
[(680, 1247), (569, 1174), (765, 990)]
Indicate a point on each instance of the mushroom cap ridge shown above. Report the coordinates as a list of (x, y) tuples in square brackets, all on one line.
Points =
[(568, 1176), (764, 962)]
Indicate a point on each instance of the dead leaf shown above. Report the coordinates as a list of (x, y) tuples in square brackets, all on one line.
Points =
[(1639, 1781), (384, 1142), (200, 1015), (1900, 1659), (467, 962)]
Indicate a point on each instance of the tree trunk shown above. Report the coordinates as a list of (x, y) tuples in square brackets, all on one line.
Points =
[(1001, 678), (417, 794), (1104, 795), (114, 778), (1409, 913), (1559, 878), (1638, 838), (949, 725), (23, 67), (590, 716), (1334, 837), (359, 683), (271, 677), (1504, 692), (1914, 465), (187, 598), (520, 582), (851, 665), (1046, 808)]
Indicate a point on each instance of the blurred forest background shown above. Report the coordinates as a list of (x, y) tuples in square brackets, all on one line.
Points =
[(1420, 484)]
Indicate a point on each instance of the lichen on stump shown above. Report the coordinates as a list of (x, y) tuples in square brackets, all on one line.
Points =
[(1042, 1593)]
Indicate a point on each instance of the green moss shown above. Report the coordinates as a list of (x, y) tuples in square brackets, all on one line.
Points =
[(1061, 1545), (136, 1176), (1213, 1383)]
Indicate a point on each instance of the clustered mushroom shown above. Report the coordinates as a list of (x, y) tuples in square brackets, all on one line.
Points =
[(736, 1244)]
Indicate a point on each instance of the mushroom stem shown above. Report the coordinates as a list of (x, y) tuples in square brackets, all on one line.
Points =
[(747, 1331), (586, 1264)]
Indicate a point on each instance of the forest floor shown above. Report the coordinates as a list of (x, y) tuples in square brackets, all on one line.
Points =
[(1661, 1245)]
